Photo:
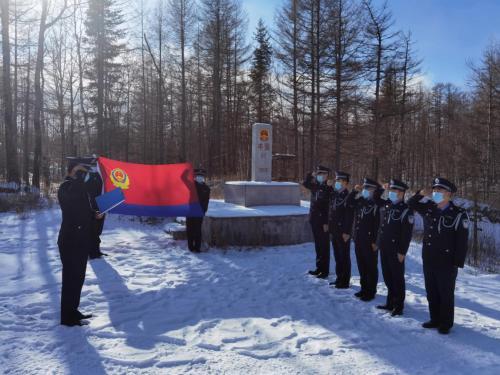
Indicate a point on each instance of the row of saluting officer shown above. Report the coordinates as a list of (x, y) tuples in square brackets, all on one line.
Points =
[(383, 225)]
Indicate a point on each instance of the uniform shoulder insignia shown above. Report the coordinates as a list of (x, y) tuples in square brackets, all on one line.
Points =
[(411, 219)]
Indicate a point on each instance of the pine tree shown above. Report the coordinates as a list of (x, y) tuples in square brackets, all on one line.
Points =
[(103, 37), (262, 91)]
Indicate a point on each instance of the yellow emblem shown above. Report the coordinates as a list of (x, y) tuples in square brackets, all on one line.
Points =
[(264, 135), (119, 178)]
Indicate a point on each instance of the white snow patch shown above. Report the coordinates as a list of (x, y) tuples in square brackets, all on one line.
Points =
[(219, 208), (261, 183)]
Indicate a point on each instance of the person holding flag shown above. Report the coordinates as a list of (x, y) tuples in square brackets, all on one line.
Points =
[(75, 239)]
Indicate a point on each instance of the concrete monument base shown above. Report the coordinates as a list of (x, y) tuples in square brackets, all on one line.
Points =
[(227, 224), (253, 193)]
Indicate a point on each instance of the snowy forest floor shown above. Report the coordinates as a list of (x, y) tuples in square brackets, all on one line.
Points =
[(160, 309)]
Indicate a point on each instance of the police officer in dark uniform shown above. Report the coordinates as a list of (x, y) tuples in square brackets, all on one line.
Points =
[(393, 240), (94, 188), (366, 224), (75, 238), (443, 251), (316, 182), (340, 227), (194, 224)]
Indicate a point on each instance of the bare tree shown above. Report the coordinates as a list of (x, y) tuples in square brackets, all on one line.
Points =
[(10, 124)]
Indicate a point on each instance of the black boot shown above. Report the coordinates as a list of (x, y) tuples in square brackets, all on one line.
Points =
[(444, 330), (430, 324), (385, 307), (314, 273), (322, 275), (367, 298), (397, 312), (341, 286), (359, 294)]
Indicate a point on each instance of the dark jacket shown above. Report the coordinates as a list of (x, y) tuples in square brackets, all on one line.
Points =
[(320, 198), (396, 226), (77, 215), (94, 187), (366, 219), (341, 213), (203, 192), (446, 232)]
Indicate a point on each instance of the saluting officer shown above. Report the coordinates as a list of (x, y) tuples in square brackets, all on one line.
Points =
[(75, 239), (393, 240), (340, 226), (194, 224), (366, 224), (316, 182), (443, 251)]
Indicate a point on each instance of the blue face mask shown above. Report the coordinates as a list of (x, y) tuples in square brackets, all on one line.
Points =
[(366, 194), (437, 196), (320, 178), (393, 196), (338, 186)]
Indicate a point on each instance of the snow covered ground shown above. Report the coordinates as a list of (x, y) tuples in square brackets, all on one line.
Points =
[(160, 309)]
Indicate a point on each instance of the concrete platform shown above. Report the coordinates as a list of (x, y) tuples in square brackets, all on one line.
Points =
[(253, 193), (227, 224)]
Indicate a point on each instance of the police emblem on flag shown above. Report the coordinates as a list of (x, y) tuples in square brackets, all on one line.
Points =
[(119, 178)]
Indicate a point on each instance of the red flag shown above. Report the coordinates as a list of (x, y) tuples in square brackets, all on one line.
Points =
[(152, 190)]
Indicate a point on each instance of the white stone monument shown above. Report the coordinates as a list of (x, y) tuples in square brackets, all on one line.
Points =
[(262, 191), (262, 152)]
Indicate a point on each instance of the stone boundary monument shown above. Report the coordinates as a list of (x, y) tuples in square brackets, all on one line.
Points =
[(262, 191), (260, 212)]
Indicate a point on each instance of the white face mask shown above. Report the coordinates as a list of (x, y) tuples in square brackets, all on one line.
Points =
[(199, 179)]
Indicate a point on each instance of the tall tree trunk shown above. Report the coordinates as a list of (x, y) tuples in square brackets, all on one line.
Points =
[(37, 159), (161, 125), (338, 86), (78, 40), (183, 79), (143, 85), (10, 125), (295, 88), (376, 125), (26, 121), (100, 82), (312, 132)]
